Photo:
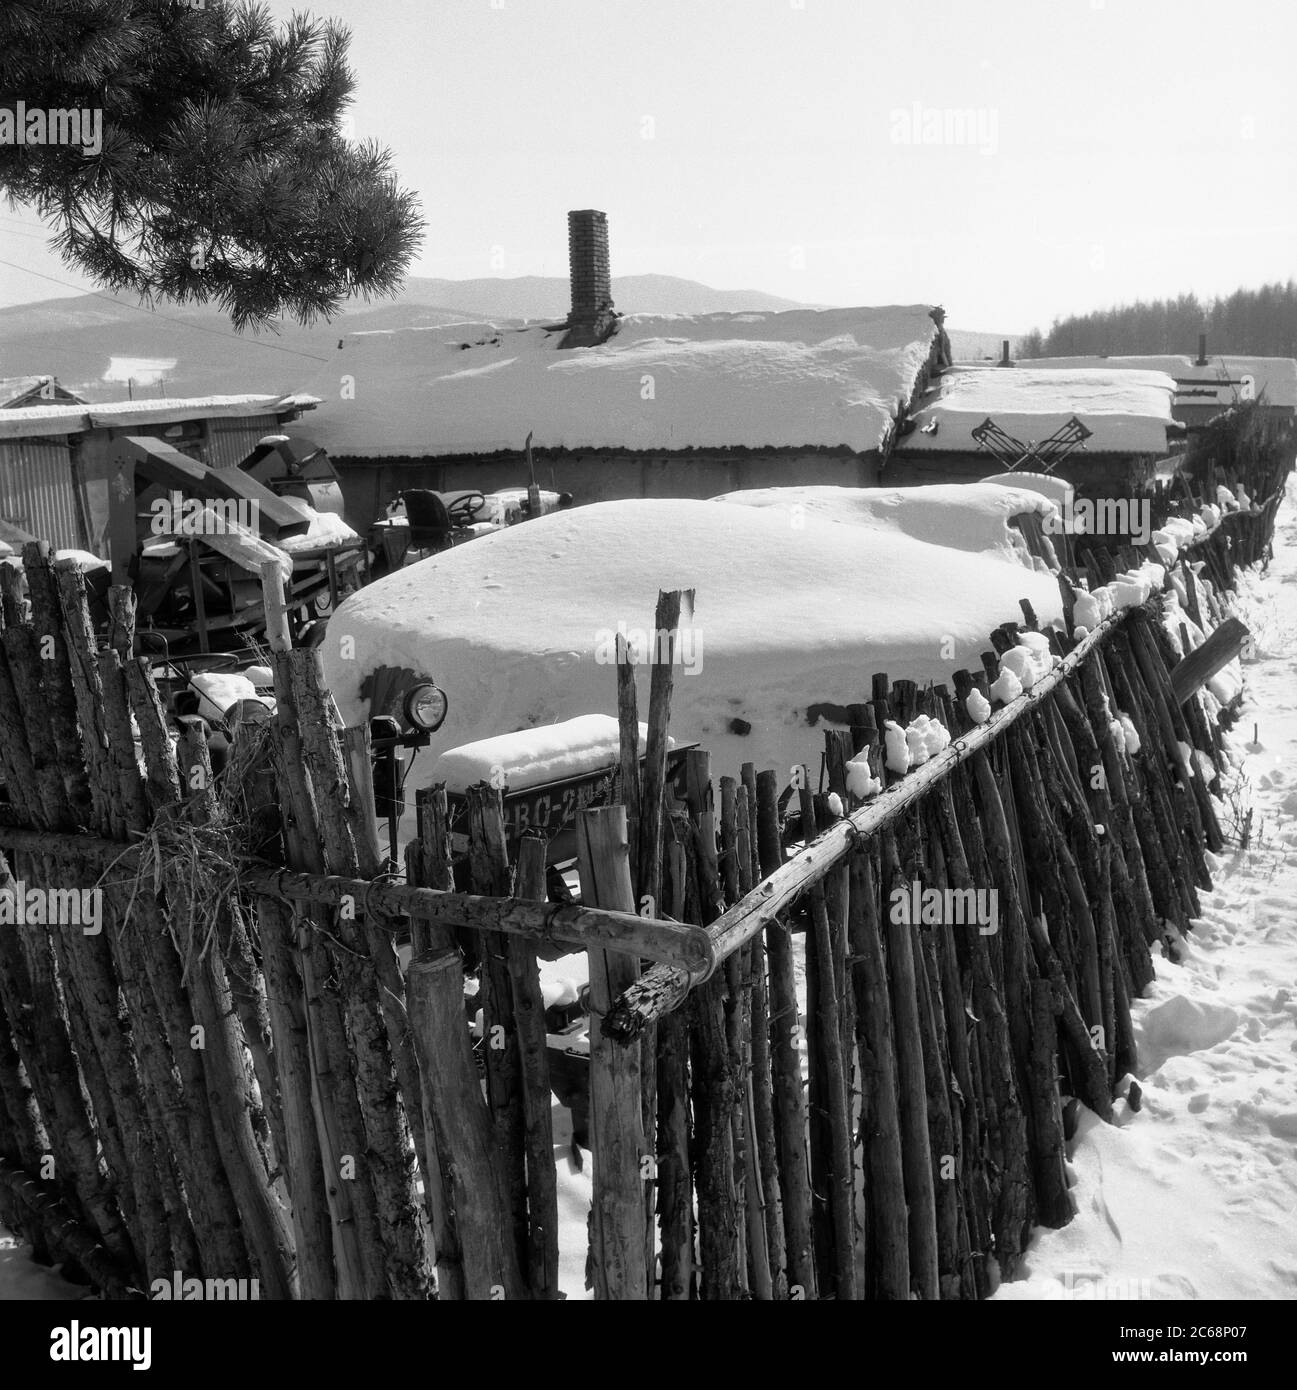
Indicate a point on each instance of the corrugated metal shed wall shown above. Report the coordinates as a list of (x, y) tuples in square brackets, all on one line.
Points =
[(231, 441), (36, 490)]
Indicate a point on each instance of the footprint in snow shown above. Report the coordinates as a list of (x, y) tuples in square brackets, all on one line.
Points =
[(1283, 1126)]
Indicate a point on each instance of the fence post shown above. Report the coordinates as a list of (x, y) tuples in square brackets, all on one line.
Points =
[(529, 1008), (616, 1118)]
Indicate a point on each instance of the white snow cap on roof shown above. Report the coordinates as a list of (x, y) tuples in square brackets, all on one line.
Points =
[(801, 378), (1220, 378), (40, 420), (517, 627), (1128, 411), (12, 388)]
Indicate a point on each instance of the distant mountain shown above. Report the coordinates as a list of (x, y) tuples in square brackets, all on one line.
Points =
[(96, 345), (102, 348), (540, 297)]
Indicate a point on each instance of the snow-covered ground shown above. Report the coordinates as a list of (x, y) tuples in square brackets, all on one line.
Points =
[(1195, 1196), (22, 1278)]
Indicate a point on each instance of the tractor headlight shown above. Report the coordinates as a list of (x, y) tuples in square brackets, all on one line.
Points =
[(426, 707)]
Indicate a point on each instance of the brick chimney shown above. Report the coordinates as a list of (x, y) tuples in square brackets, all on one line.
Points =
[(592, 318)]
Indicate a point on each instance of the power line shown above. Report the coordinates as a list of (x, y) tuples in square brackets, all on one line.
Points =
[(166, 318)]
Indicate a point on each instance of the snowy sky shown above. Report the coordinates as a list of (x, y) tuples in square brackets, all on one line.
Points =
[(1011, 159)]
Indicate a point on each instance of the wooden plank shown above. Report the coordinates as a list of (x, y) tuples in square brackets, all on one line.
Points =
[(1193, 671), (167, 466)]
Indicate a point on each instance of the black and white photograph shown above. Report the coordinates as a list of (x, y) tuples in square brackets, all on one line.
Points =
[(648, 652)]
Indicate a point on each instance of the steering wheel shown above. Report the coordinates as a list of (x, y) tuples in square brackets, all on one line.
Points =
[(463, 509)]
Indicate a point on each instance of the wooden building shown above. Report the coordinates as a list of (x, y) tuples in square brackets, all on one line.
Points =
[(623, 406), (1098, 428), (19, 391), (57, 460), (1205, 386)]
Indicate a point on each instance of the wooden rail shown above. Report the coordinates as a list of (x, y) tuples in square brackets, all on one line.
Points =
[(663, 988), (1197, 667), (673, 944)]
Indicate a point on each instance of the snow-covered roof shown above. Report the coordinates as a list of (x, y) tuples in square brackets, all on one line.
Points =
[(1127, 411), (28, 422), (1215, 383), (517, 627), (800, 378), (14, 388)]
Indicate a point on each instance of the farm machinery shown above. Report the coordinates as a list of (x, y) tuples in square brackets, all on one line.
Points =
[(191, 540)]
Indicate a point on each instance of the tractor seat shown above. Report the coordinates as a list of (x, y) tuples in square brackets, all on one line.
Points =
[(431, 525)]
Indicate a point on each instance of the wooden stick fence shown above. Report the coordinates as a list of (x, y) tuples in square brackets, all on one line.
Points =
[(228, 1076), (1092, 852)]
